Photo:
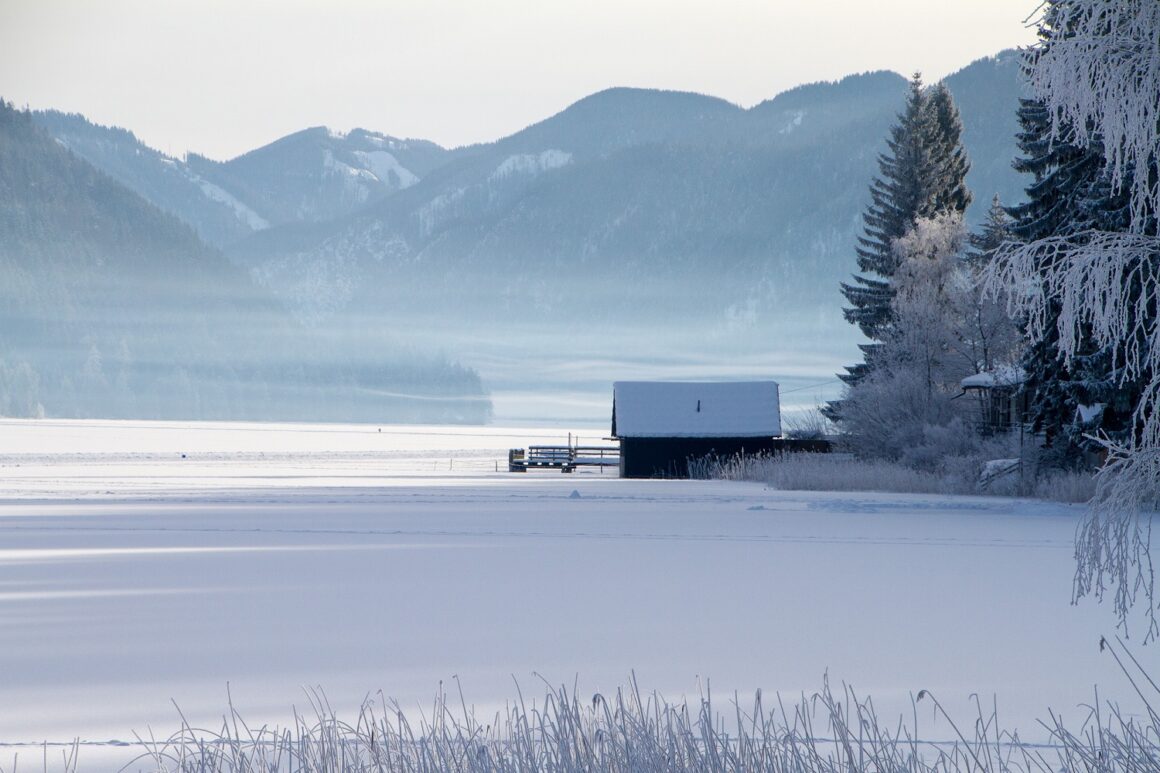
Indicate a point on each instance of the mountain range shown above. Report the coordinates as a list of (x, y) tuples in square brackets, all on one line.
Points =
[(635, 185), (634, 225)]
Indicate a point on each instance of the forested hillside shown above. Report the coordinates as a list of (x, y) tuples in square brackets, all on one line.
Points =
[(111, 308), (312, 175), (631, 207), (636, 209)]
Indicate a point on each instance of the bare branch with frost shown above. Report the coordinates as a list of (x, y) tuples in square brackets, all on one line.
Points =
[(1113, 544), (1103, 288), (1092, 286)]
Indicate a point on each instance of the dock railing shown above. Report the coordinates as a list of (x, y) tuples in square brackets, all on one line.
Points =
[(562, 458)]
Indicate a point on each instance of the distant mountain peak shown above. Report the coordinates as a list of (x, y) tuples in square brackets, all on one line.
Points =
[(866, 85), (312, 175), (640, 95)]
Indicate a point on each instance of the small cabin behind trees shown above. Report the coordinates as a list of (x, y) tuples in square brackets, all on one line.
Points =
[(1002, 398), (662, 425)]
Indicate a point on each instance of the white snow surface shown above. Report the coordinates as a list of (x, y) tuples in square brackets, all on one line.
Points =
[(696, 409), (1007, 375), (216, 193), (381, 164), (1089, 413), (531, 163), (439, 210), (146, 562)]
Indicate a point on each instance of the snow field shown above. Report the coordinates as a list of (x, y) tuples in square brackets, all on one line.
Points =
[(275, 558)]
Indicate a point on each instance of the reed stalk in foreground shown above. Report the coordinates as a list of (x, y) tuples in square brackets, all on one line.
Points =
[(832, 731)]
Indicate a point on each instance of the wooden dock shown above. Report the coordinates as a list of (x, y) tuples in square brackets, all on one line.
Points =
[(562, 458)]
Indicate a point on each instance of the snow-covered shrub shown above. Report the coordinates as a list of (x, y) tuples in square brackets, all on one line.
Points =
[(887, 412), (938, 444)]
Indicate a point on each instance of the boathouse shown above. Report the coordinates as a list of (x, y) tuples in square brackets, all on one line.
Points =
[(662, 425)]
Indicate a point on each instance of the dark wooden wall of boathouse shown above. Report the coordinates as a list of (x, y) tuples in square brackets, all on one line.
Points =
[(668, 457)]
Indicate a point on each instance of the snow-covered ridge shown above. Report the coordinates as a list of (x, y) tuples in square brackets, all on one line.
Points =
[(531, 164), (375, 168), (439, 209), (220, 195), (382, 164)]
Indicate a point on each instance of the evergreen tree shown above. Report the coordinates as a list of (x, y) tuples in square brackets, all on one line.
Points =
[(922, 175), (1071, 195), (1064, 176), (950, 192), (896, 198)]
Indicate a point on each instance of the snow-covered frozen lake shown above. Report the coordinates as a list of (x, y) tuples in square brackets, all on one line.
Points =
[(144, 564)]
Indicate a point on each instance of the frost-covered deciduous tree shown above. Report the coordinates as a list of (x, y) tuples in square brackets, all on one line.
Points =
[(988, 337), (929, 299), (920, 363), (1097, 73), (19, 390)]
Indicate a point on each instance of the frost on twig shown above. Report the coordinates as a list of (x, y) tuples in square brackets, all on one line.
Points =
[(1113, 544), (1093, 286), (1099, 79)]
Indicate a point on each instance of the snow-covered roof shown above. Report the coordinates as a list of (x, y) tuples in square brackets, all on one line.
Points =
[(695, 409), (1086, 414), (978, 381), (1003, 376)]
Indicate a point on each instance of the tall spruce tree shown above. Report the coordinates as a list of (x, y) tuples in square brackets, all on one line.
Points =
[(950, 193), (897, 195), (922, 174)]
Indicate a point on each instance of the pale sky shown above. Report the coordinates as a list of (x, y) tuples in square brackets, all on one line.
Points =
[(223, 77)]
